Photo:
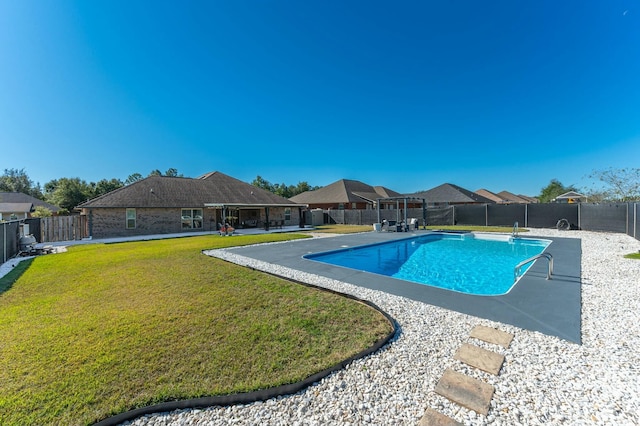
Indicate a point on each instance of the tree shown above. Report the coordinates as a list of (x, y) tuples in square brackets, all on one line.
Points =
[(282, 189), (620, 184), (262, 183), (42, 211), (303, 187), (172, 173), (67, 193), (133, 178), (103, 186), (551, 191), (14, 180), (596, 196)]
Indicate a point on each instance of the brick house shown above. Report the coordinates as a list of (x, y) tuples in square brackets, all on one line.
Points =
[(164, 205), (449, 194), (346, 194)]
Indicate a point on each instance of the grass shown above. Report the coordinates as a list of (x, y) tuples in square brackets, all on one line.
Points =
[(507, 229), (342, 229), (103, 329), (7, 281), (632, 256)]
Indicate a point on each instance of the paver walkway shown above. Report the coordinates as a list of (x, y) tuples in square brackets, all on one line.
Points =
[(464, 390)]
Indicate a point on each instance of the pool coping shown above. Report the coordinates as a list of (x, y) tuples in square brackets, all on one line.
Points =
[(551, 307)]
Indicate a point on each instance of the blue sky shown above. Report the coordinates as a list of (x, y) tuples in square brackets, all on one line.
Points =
[(500, 95)]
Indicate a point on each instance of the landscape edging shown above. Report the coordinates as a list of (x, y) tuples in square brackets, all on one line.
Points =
[(262, 394)]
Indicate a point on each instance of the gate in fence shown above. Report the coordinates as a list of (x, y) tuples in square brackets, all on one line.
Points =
[(63, 228)]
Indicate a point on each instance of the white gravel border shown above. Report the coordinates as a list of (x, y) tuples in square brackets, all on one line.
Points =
[(544, 380)]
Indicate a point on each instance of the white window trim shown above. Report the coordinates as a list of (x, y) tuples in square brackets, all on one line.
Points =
[(134, 218), (192, 218)]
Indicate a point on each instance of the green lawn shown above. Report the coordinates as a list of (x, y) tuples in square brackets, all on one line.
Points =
[(632, 256), (103, 329)]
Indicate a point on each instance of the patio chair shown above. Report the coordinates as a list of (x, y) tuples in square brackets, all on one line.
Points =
[(226, 229)]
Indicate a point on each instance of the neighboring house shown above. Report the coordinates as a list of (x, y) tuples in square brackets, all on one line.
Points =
[(531, 200), (490, 195), (505, 197), (570, 197), (16, 205), (347, 194), (513, 198), (162, 205), (449, 194)]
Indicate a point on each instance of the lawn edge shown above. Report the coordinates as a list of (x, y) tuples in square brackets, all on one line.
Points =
[(262, 394)]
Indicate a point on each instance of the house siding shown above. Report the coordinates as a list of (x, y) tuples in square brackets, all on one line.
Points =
[(107, 223), (111, 222)]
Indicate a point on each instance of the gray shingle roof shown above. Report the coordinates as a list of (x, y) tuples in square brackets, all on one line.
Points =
[(532, 200), (344, 191), (490, 195), (512, 198), (16, 207), (450, 193), (171, 192), (19, 197)]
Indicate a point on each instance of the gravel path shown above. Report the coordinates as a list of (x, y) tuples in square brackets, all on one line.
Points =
[(544, 380)]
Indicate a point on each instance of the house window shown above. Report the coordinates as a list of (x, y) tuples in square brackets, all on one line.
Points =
[(287, 214), (341, 206), (131, 219), (191, 218), (354, 206)]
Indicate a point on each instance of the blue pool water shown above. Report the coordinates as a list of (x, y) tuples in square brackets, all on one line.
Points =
[(468, 263)]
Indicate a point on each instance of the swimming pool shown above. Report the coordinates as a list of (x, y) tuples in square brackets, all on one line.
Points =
[(477, 264)]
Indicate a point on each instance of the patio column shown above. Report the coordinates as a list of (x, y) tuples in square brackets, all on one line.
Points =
[(406, 224), (424, 213), (301, 221), (266, 222)]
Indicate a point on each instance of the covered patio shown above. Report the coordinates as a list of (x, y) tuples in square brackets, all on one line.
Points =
[(402, 204), (257, 216)]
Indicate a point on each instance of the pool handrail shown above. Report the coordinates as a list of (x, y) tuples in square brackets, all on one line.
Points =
[(516, 270)]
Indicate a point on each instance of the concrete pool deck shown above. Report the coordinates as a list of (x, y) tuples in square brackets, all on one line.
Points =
[(552, 307)]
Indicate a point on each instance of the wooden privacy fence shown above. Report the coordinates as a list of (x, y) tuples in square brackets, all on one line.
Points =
[(63, 228)]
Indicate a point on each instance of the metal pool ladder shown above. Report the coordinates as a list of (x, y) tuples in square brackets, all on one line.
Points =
[(516, 271), (514, 234)]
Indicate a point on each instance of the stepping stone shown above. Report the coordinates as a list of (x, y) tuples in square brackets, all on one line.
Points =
[(480, 358), (492, 335), (466, 391), (434, 418)]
